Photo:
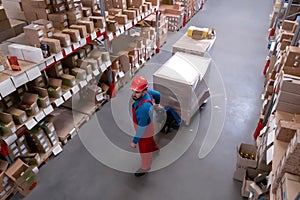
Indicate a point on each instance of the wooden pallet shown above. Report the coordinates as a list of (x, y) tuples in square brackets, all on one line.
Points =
[(45, 157)]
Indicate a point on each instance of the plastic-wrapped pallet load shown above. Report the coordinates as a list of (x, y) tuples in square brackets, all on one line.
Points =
[(181, 81)]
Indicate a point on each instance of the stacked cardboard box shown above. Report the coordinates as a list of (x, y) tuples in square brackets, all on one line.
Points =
[(14, 9), (23, 177), (174, 15), (289, 162), (49, 130), (7, 125), (18, 148), (183, 88), (39, 141), (6, 30), (6, 185), (287, 88)]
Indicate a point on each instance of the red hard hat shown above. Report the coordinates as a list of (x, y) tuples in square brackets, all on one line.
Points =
[(139, 84)]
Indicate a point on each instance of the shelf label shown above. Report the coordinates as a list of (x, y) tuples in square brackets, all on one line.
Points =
[(108, 63), (30, 124), (39, 116), (48, 110), (139, 18), (110, 36), (101, 37), (122, 29), (59, 56), (135, 21), (68, 50), (83, 83), (75, 89), (33, 73), (118, 33), (82, 42), (128, 25), (89, 77), (42, 66), (73, 132), (93, 35), (57, 150), (50, 61), (99, 97), (121, 74), (59, 101), (102, 30), (67, 95), (76, 45), (11, 139), (96, 72)]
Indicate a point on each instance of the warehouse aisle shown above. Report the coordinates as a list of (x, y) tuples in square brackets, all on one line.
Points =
[(239, 54)]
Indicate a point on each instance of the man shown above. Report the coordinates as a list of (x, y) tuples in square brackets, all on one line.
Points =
[(144, 100)]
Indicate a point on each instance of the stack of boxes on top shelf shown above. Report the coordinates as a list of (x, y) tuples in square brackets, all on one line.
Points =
[(6, 30), (162, 25), (121, 12), (174, 13), (277, 146)]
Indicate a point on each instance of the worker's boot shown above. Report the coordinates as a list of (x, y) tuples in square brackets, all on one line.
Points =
[(141, 172)]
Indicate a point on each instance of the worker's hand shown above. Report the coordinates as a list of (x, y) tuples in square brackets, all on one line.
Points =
[(132, 145)]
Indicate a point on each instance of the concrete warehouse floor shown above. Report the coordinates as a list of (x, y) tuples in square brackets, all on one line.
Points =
[(239, 54)]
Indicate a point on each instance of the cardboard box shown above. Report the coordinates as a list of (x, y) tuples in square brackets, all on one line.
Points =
[(74, 34), (89, 25), (131, 14), (34, 33), (3, 15), (43, 102), (70, 61), (54, 44), (47, 24), (3, 167), (49, 130), (54, 88), (289, 25), (61, 25), (79, 73), (57, 17), (39, 140), (17, 25), (120, 4), (121, 19), (32, 54), (138, 3), (82, 30), (88, 48), (290, 83), (239, 174), (29, 104), (31, 159), (5, 24), (65, 39), (285, 130), (114, 11), (8, 33), (68, 80), (55, 71), (7, 125), (246, 156), (99, 22), (112, 25), (86, 11), (19, 116), (290, 185), (74, 15), (22, 175)]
